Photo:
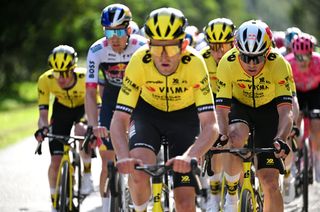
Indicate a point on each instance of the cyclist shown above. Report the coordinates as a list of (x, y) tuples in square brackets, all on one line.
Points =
[(220, 36), (165, 92), (289, 35), (306, 72), (111, 55), (253, 90), (67, 83)]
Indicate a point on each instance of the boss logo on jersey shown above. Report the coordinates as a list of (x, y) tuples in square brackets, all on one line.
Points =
[(147, 57), (91, 69), (95, 48)]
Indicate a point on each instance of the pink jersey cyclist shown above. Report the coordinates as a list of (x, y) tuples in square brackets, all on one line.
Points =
[(306, 76)]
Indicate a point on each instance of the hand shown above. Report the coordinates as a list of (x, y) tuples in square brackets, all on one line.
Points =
[(295, 131), (221, 141), (100, 131), (127, 165), (40, 134), (180, 164), (282, 147)]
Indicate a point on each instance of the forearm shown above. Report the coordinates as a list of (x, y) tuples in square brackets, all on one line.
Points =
[(119, 136), (91, 107), (285, 122), (223, 120), (204, 141), (43, 119)]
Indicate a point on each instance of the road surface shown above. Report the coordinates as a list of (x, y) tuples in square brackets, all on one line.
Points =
[(24, 185)]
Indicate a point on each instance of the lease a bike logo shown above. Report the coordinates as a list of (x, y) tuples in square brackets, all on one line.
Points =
[(185, 179), (270, 161)]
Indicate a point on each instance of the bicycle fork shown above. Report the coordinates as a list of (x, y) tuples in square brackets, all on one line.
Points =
[(247, 185)]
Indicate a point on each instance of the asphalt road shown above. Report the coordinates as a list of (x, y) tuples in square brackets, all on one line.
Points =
[(24, 184)]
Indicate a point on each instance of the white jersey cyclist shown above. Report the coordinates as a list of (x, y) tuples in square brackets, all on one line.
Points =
[(112, 64)]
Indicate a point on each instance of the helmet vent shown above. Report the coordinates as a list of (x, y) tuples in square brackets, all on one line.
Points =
[(259, 34), (172, 18)]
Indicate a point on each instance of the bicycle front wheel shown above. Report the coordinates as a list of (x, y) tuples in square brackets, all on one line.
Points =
[(247, 203), (306, 149), (63, 188)]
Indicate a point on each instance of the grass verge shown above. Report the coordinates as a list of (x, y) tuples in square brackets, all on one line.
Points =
[(17, 124)]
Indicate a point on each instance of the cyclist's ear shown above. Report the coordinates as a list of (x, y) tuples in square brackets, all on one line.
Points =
[(184, 44), (129, 30)]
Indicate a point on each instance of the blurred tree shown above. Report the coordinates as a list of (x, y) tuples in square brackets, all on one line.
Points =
[(31, 29)]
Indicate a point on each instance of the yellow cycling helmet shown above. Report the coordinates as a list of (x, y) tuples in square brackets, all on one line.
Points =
[(63, 58), (220, 30), (165, 24)]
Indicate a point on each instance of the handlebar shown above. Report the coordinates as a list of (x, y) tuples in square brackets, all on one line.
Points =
[(64, 139), (244, 153)]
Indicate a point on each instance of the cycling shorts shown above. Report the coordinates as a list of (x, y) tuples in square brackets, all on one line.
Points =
[(309, 100), (179, 127), (109, 101), (62, 120), (264, 119)]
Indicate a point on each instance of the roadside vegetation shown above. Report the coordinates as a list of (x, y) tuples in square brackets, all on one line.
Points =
[(18, 113)]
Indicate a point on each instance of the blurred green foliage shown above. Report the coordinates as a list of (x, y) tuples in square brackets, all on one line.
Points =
[(31, 29)]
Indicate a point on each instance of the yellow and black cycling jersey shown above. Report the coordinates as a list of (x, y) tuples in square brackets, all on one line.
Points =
[(71, 97), (291, 79), (271, 83), (188, 85), (211, 66)]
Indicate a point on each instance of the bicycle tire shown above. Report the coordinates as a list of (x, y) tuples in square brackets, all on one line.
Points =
[(77, 174), (64, 188), (305, 188), (246, 201)]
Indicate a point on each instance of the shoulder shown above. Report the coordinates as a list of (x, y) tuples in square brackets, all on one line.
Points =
[(229, 57), (137, 40), (47, 75), (98, 45)]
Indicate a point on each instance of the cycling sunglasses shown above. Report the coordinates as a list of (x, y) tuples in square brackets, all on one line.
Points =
[(302, 57), (109, 33), (171, 50), (255, 58), (220, 46), (62, 74)]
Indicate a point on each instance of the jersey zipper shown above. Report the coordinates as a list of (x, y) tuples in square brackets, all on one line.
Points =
[(253, 99), (67, 91), (167, 93)]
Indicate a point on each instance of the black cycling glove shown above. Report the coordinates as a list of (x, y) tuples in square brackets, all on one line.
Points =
[(221, 141), (283, 145), (41, 132)]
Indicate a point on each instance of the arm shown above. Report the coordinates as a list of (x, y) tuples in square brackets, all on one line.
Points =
[(285, 121), (223, 119), (207, 136), (119, 137), (91, 106), (43, 119)]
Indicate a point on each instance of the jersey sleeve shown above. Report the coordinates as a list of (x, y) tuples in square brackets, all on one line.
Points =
[(201, 88), (131, 85), (283, 92), (43, 92), (291, 80), (224, 84), (93, 63)]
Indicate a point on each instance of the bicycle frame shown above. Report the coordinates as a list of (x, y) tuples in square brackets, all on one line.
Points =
[(65, 159), (66, 163)]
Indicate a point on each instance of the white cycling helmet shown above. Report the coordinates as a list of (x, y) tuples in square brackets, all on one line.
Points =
[(253, 37)]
